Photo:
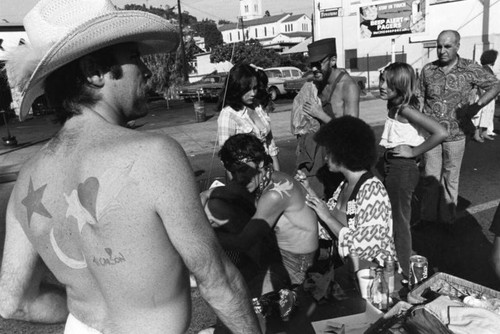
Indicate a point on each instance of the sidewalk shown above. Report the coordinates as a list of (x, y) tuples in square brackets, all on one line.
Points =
[(195, 138)]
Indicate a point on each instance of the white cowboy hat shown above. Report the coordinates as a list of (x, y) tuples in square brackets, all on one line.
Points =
[(60, 31)]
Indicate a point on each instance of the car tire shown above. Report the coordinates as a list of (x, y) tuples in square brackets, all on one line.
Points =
[(273, 93)]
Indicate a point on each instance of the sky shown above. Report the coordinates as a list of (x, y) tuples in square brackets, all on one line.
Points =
[(14, 10)]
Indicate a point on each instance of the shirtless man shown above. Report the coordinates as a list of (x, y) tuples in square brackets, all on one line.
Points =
[(332, 93), (280, 204), (112, 212)]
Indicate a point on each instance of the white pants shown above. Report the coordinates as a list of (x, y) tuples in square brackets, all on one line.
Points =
[(75, 326), (484, 118)]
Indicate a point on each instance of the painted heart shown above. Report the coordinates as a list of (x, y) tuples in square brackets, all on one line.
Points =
[(87, 194)]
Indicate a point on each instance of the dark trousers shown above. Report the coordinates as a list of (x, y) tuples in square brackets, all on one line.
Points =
[(401, 179)]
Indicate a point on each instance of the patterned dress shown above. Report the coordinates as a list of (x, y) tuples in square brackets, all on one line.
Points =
[(369, 221)]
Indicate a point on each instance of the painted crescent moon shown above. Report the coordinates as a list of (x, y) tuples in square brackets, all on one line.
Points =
[(72, 263)]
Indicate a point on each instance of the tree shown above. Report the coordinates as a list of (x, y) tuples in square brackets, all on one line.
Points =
[(267, 13), (208, 30), (251, 52), (166, 68), (296, 60), (222, 22)]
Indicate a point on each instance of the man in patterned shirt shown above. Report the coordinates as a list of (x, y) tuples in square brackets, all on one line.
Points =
[(448, 91)]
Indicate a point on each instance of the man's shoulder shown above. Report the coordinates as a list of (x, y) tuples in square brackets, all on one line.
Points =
[(281, 186), (346, 78), (147, 143)]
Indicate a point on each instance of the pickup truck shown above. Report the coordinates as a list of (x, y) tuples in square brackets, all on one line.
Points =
[(292, 87), (206, 89)]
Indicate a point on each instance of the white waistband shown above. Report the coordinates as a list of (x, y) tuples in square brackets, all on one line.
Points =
[(75, 326)]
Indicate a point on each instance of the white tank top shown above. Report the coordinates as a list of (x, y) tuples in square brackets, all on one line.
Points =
[(397, 133)]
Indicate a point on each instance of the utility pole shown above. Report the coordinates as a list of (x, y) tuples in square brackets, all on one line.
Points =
[(185, 75), (242, 28)]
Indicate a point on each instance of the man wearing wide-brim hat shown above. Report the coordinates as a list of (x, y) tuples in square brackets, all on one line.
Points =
[(332, 93), (114, 213)]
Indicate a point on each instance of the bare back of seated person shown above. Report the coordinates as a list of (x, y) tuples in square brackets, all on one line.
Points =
[(282, 205)]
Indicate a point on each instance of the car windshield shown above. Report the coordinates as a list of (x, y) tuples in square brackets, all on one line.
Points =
[(274, 74)]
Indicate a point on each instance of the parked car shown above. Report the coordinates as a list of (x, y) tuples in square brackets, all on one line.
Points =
[(292, 87), (206, 89), (278, 76)]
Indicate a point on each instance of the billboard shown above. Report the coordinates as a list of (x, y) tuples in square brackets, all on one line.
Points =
[(391, 18)]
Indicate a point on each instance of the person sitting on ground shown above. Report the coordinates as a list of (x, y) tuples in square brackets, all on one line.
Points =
[(349, 216), (112, 212), (239, 114), (280, 203), (229, 209)]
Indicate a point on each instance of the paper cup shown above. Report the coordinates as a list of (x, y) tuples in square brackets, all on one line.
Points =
[(364, 281)]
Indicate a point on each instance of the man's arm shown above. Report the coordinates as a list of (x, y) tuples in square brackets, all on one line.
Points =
[(351, 99), (488, 83), (489, 95), (22, 296), (179, 207)]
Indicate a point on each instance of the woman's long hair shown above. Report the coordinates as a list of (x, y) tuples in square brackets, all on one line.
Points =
[(400, 77), (238, 82)]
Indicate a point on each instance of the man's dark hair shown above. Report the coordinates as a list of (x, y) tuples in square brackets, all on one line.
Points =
[(238, 82), (240, 148), (67, 89), (489, 57), (350, 142)]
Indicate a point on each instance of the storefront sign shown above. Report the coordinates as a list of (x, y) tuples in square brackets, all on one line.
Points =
[(331, 12), (394, 18)]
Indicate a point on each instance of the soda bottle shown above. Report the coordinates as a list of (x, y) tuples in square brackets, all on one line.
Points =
[(372, 275), (389, 274), (380, 291)]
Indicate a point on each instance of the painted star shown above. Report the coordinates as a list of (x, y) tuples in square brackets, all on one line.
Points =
[(33, 202)]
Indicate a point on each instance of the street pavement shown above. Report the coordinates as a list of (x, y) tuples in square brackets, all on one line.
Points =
[(463, 252), (176, 120)]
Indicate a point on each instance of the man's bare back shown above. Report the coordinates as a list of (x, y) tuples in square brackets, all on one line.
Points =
[(98, 236), (113, 213), (345, 97), (282, 205)]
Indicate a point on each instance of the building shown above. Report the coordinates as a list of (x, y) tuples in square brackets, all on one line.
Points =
[(403, 30), (251, 9), (10, 37), (279, 32)]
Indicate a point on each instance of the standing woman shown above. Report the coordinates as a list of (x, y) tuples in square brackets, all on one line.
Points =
[(240, 115), (404, 141), (484, 119)]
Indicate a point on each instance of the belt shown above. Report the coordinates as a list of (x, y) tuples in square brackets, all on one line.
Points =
[(388, 154)]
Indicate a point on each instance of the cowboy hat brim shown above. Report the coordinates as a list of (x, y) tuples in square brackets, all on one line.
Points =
[(152, 33)]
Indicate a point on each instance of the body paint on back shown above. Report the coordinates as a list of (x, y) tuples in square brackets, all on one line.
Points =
[(282, 188), (91, 202), (33, 202)]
